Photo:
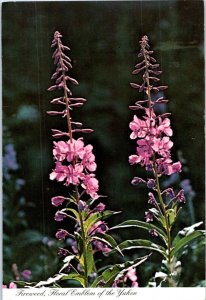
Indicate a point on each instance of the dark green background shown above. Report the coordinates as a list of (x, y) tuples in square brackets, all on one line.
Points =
[(103, 37)]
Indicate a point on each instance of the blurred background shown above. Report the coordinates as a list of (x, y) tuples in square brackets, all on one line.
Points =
[(103, 37)]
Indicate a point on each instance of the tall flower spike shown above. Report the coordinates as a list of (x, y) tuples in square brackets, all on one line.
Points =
[(74, 160), (74, 166), (153, 152), (152, 132)]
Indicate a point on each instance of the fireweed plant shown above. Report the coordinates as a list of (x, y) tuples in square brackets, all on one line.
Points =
[(152, 134), (74, 168)]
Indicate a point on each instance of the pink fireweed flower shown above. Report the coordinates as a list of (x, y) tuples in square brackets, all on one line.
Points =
[(60, 150), (59, 173), (99, 226), (173, 168), (61, 234), (164, 126), (162, 146), (91, 185), (88, 160), (75, 149), (26, 274), (138, 127), (74, 174), (151, 199), (134, 159), (57, 201), (100, 207), (12, 285), (130, 276)]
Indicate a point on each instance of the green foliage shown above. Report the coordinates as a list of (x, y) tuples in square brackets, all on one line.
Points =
[(100, 56), (110, 274), (142, 244), (179, 247), (140, 224)]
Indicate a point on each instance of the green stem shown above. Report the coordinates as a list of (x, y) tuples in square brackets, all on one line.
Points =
[(168, 228), (84, 239)]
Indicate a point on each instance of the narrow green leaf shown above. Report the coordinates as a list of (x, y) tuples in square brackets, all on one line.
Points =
[(160, 218), (185, 231), (90, 259), (140, 224), (171, 215), (184, 242), (74, 276), (109, 275), (73, 211), (24, 283), (141, 244)]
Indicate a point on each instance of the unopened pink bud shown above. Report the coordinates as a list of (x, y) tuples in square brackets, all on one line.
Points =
[(52, 88)]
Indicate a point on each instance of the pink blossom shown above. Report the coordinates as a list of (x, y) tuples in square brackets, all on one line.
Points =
[(138, 127), (100, 207), (131, 274), (162, 146), (134, 159), (12, 285), (60, 150), (59, 173), (74, 174), (88, 159), (173, 168), (99, 226), (76, 149), (91, 185), (26, 274), (135, 284), (164, 126)]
